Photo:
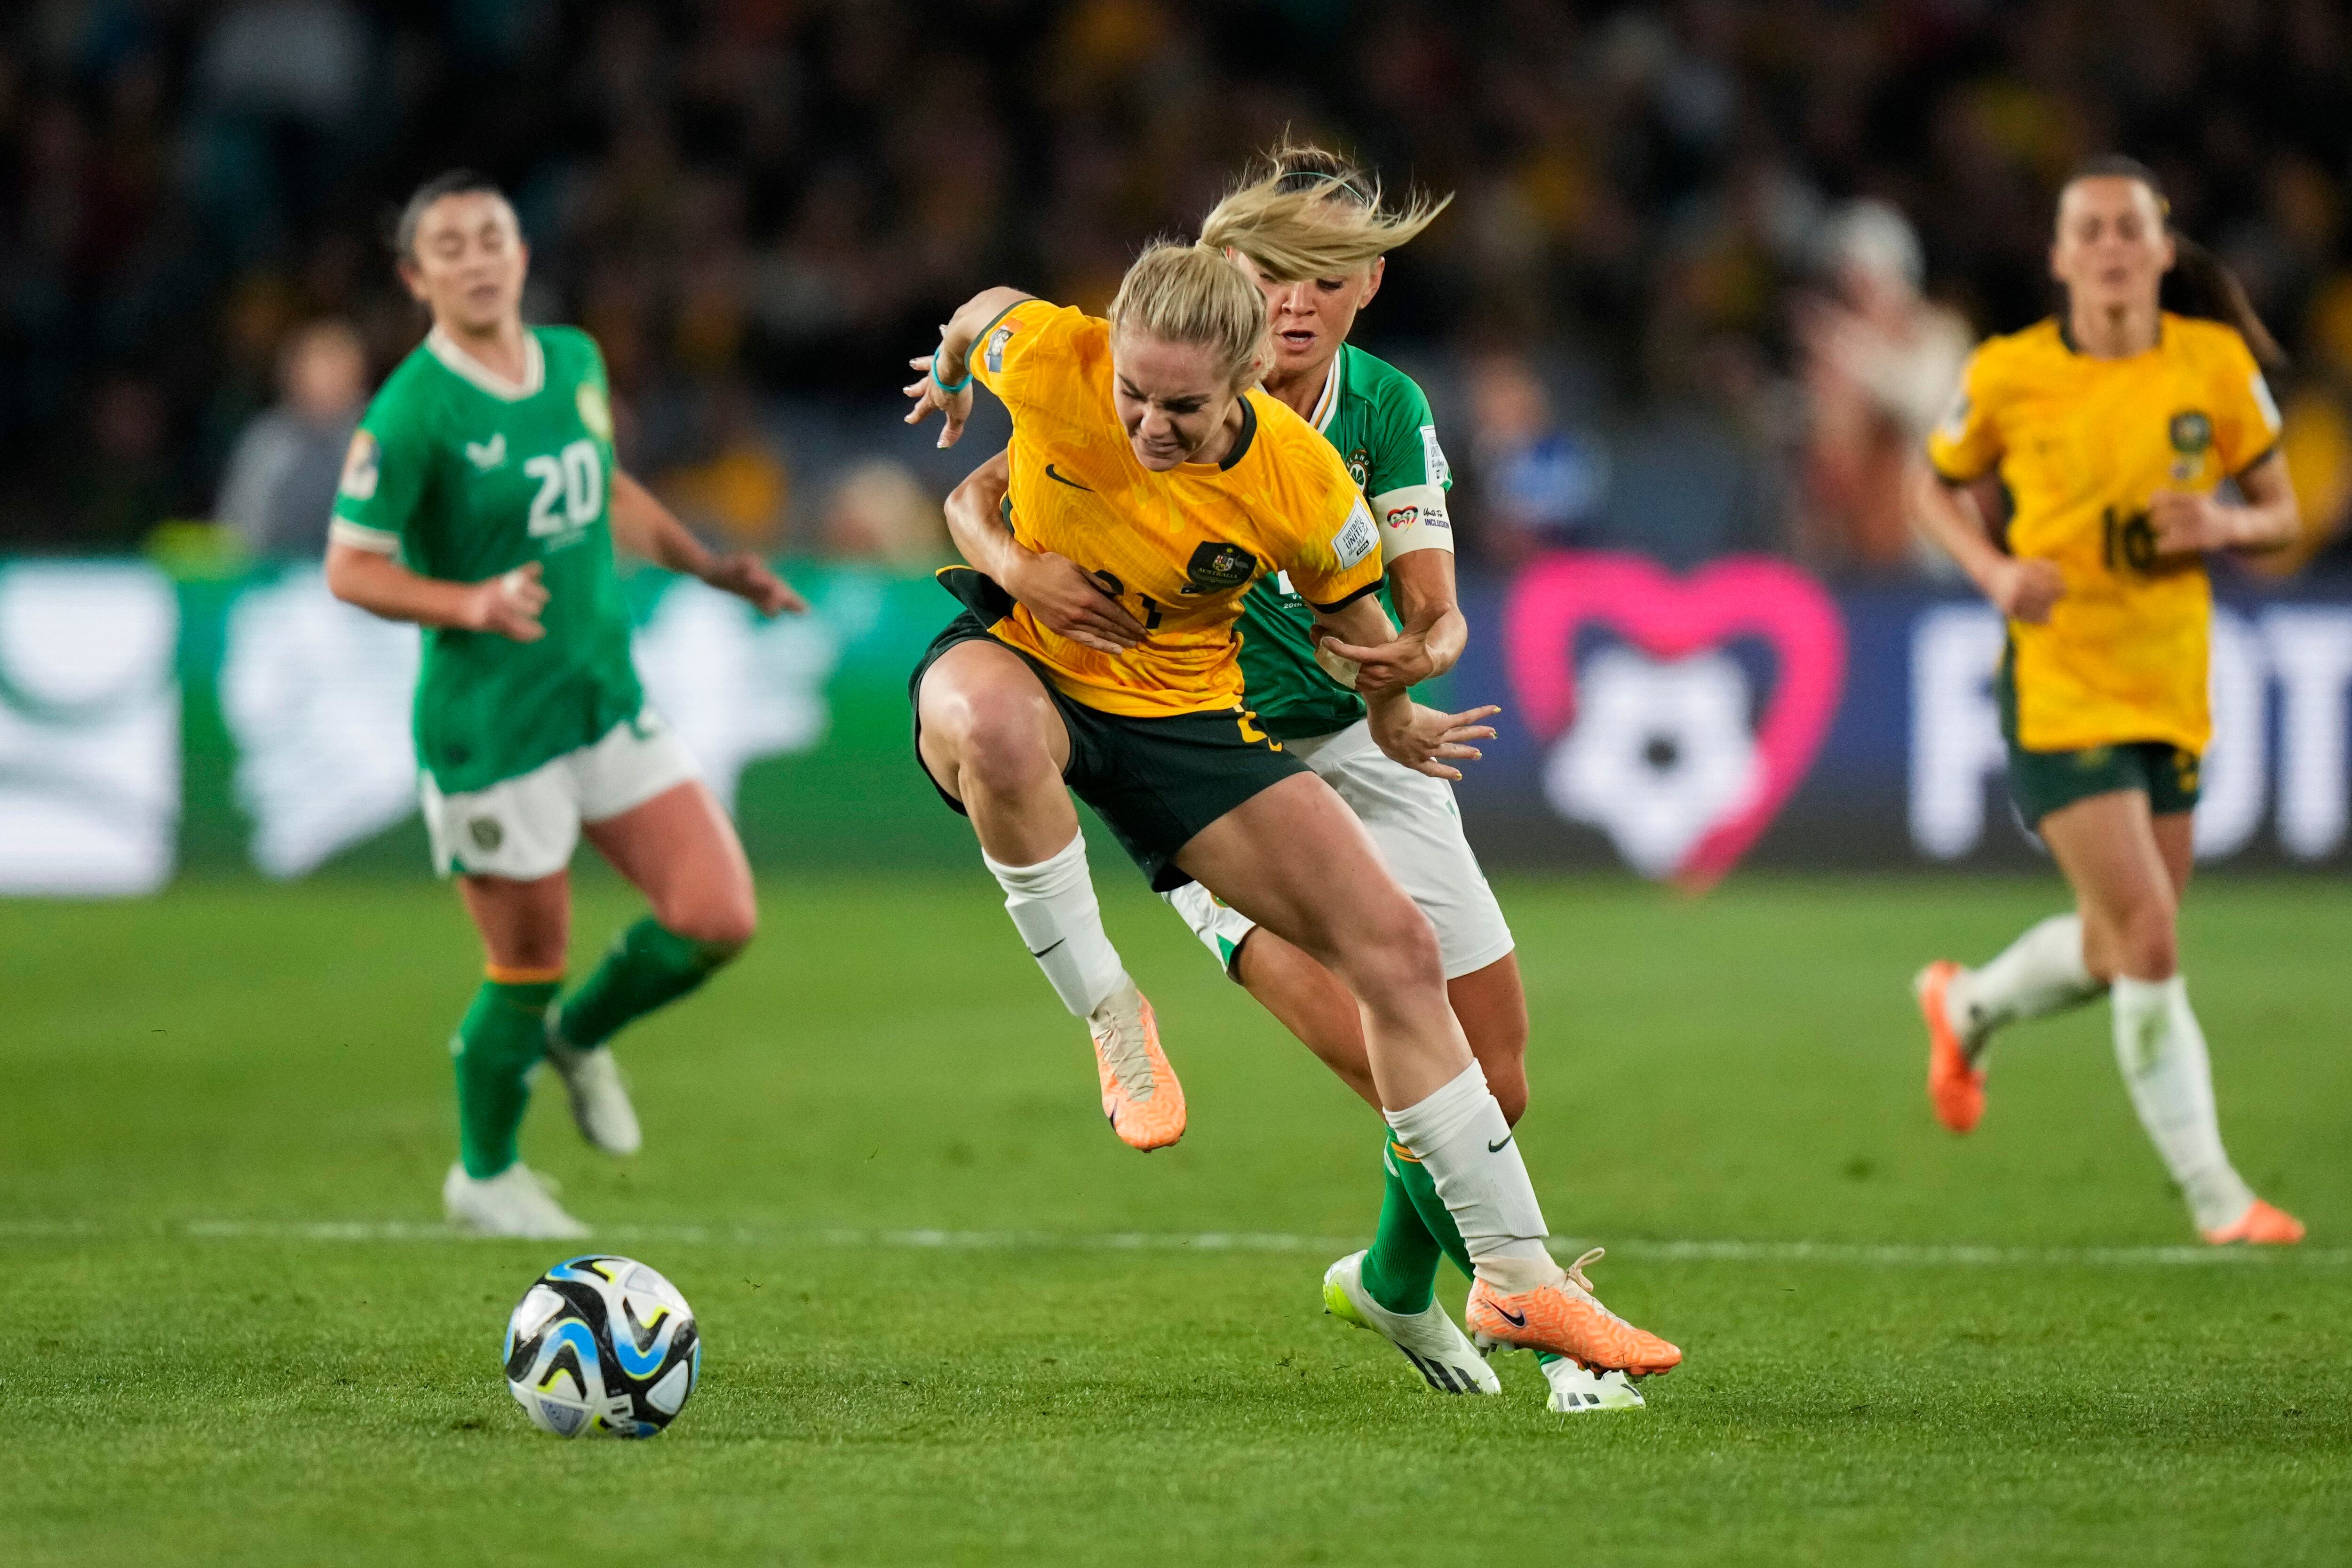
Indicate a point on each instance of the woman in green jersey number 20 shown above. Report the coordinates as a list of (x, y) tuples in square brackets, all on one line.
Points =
[(481, 500), (1310, 227)]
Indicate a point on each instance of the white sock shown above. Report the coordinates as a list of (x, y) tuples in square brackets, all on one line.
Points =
[(1473, 1160), (2162, 1054), (2039, 973), (1053, 906)]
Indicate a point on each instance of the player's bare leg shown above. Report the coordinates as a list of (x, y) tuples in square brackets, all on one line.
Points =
[(525, 927), (679, 850), (991, 738), (2128, 869), (1295, 859)]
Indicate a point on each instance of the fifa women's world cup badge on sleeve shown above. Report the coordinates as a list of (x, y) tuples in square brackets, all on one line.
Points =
[(361, 465)]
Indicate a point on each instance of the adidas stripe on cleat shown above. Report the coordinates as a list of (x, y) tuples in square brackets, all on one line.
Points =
[(1440, 1352), (1576, 1391)]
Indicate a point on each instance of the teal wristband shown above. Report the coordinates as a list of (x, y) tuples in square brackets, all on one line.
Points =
[(942, 385)]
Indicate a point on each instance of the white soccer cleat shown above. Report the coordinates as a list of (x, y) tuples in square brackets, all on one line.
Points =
[(1574, 1390), (511, 1203), (600, 1101), (1438, 1350)]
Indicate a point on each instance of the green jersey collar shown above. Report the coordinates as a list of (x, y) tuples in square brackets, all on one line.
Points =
[(458, 361), (1326, 401)]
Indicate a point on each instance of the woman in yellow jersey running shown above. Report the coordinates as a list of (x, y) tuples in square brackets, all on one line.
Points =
[(1141, 452), (2114, 427)]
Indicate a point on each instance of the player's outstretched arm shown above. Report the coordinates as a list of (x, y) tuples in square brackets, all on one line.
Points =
[(1947, 515), (507, 606), (950, 365), (645, 528), (1423, 738), (1055, 589)]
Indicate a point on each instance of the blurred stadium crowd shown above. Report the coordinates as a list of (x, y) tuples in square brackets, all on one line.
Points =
[(1709, 274)]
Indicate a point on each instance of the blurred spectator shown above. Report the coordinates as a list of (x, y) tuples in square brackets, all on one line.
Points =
[(736, 488), (2318, 435), (880, 514), (281, 478), (125, 486), (790, 194), (1880, 364), (1539, 485)]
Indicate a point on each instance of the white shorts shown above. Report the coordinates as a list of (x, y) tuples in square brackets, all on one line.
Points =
[(1417, 828), (526, 827)]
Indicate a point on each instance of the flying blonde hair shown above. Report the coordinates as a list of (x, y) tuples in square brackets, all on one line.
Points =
[(1194, 294), (1303, 212)]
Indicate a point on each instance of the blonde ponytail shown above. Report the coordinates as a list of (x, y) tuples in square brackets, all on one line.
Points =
[(1194, 294), (1302, 211)]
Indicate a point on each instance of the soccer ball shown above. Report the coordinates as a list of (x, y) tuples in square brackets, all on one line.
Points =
[(602, 1345)]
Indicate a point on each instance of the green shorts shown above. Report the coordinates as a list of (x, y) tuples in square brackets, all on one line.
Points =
[(1155, 783), (2043, 782)]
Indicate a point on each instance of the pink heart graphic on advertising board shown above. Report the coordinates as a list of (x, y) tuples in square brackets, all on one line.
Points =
[(1670, 617)]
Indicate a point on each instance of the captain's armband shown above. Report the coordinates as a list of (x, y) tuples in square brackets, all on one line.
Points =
[(1411, 518)]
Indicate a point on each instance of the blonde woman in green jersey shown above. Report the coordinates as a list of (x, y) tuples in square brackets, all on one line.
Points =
[(1311, 229), (480, 499)]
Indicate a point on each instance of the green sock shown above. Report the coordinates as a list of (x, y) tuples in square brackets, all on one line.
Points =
[(1400, 1268), (650, 965), (1412, 1178), (502, 1037)]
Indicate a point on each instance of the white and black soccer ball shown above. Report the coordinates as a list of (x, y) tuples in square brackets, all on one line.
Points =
[(602, 1345)]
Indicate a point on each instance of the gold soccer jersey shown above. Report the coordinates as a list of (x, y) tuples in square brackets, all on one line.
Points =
[(2083, 445), (1179, 549)]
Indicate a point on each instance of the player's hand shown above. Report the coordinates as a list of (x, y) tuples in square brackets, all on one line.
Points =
[(1427, 740), (1066, 600), (1391, 666), (509, 604), (2026, 589), (929, 394), (751, 580), (2190, 524)]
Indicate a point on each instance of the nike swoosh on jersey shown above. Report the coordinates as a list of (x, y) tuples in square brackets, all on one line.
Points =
[(488, 454), (1065, 479), (1498, 1148), (1048, 948)]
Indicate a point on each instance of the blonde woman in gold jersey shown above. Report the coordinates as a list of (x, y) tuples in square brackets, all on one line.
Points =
[(2114, 427)]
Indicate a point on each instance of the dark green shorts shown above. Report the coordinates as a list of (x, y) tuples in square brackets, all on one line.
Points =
[(1155, 782), (2043, 782)]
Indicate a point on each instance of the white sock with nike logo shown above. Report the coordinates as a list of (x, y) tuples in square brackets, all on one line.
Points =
[(1053, 906), (1469, 1151)]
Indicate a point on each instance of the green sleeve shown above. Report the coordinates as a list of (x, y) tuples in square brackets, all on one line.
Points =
[(1406, 453), (386, 473)]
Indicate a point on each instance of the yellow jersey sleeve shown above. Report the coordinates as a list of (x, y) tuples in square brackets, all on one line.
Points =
[(2246, 421), (1014, 357), (1341, 561), (1966, 442)]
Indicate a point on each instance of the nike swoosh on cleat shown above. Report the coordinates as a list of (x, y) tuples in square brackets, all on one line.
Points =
[(1491, 1148), (1065, 479), (1048, 948), (1513, 1319)]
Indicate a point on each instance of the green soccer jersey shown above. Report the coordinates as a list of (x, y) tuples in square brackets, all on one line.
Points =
[(463, 476), (1381, 423)]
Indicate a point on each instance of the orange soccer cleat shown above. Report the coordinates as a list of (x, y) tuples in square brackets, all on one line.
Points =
[(1140, 1092), (2260, 1226), (1565, 1319), (1955, 1087)]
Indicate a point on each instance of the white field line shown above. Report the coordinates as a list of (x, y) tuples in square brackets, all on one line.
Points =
[(1840, 1254)]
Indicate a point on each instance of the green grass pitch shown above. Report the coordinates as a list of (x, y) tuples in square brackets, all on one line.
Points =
[(201, 1369)]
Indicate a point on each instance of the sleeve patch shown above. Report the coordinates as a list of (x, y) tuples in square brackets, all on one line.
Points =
[(362, 466), (1432, 459), (2265, 401), (1954, 426), (993, 356), (1357, 537)]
